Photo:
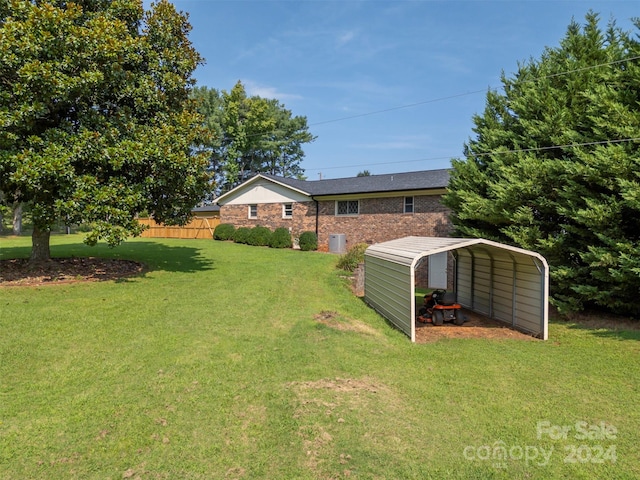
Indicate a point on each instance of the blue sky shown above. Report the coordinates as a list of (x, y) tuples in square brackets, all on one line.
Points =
[(339, 63)]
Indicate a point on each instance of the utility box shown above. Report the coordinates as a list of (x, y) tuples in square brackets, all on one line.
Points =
[(337, 243), (438, 270)]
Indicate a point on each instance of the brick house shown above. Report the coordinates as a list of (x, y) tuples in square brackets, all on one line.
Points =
[(369, 209)]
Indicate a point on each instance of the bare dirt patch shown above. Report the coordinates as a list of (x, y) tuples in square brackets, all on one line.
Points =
[(334, 320), (476, 326), (341, 385), (324, 407), (19, 272)]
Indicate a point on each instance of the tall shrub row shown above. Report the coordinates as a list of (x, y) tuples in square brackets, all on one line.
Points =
[(263, 236)]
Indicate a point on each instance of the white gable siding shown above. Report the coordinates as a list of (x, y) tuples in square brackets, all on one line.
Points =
[(264, 191)]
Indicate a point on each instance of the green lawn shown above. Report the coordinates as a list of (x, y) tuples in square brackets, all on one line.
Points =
[(228, 361)]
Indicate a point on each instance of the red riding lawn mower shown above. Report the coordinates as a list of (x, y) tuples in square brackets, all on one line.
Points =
[(443, 308)]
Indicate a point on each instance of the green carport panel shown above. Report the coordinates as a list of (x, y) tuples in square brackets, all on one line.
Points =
[(503, 282), (388, 286)]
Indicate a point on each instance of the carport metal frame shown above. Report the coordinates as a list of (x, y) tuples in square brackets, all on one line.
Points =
[(480, 280)]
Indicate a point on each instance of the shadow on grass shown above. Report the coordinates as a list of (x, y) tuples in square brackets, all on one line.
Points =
[(608, 332), (154, 255), (619, 330), (169, 258)]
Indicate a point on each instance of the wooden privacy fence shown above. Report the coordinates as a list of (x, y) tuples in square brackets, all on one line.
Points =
[(199, 227)]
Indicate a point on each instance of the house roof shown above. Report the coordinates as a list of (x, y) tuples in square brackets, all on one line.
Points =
[(391, 182), (206, 208), (425, 179), (407, 250)]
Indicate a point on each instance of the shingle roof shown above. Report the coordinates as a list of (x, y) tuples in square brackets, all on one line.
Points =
[(206, 208), (392, 182)]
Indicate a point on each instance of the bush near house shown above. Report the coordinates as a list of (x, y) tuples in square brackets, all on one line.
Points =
[(263, 236), (281, 238), (224, 231), (308, 241), (350, 260), (260, 236), (241, 235)]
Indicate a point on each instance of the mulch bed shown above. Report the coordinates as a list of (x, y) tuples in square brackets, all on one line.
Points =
[(476, 326), (19, 272)]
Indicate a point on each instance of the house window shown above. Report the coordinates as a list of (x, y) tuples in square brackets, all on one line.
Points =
[(408, 204), (287, 210), (347, 207), (253, 211)]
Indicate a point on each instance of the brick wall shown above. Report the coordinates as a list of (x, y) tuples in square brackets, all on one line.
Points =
[(270, 215), (380, 219)]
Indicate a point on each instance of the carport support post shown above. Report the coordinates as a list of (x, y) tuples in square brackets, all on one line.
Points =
[(544, 294), (412, 291), (514, 293)]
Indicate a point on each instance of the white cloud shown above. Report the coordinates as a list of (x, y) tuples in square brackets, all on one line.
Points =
[(265, 91), (345, 38)]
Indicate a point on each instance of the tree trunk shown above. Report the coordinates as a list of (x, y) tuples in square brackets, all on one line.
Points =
[(40, 251), (17, 218)]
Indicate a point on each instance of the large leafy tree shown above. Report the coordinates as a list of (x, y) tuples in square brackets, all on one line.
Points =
[(97, 124), (555, 167), (250, 135)]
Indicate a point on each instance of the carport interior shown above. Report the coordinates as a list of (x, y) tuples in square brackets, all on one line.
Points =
[(498, 281)]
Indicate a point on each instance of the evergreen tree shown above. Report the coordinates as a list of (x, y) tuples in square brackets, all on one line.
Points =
[(555, 167)]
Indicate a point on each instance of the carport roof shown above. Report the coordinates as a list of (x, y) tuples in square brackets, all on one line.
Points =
[(408, 250), (503, 282)]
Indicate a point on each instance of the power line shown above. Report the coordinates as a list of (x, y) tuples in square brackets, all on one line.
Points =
[(450, 97), (378, 163), (459, 95), (486, 154), (433, 100), (554, 147), (474, 92), (585, 68)]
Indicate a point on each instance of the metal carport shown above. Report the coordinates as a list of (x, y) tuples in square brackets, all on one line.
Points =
[(499, 281)]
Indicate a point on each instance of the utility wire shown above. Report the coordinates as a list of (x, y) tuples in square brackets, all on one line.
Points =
[(376, 112), (629, 59), (450, 97), (486, 154), (474, 92)]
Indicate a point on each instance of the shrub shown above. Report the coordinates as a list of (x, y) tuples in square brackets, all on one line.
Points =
[(308, 241), (224, 231), (281, 238), (259, 236), (241, 235), (350, 260)]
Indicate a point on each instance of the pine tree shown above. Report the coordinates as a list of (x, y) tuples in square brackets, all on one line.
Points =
[(555, 167)]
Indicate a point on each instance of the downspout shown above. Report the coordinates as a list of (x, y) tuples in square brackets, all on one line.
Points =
[(317, 215)]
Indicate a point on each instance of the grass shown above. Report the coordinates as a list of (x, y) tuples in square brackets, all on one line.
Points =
[(229, 361)]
